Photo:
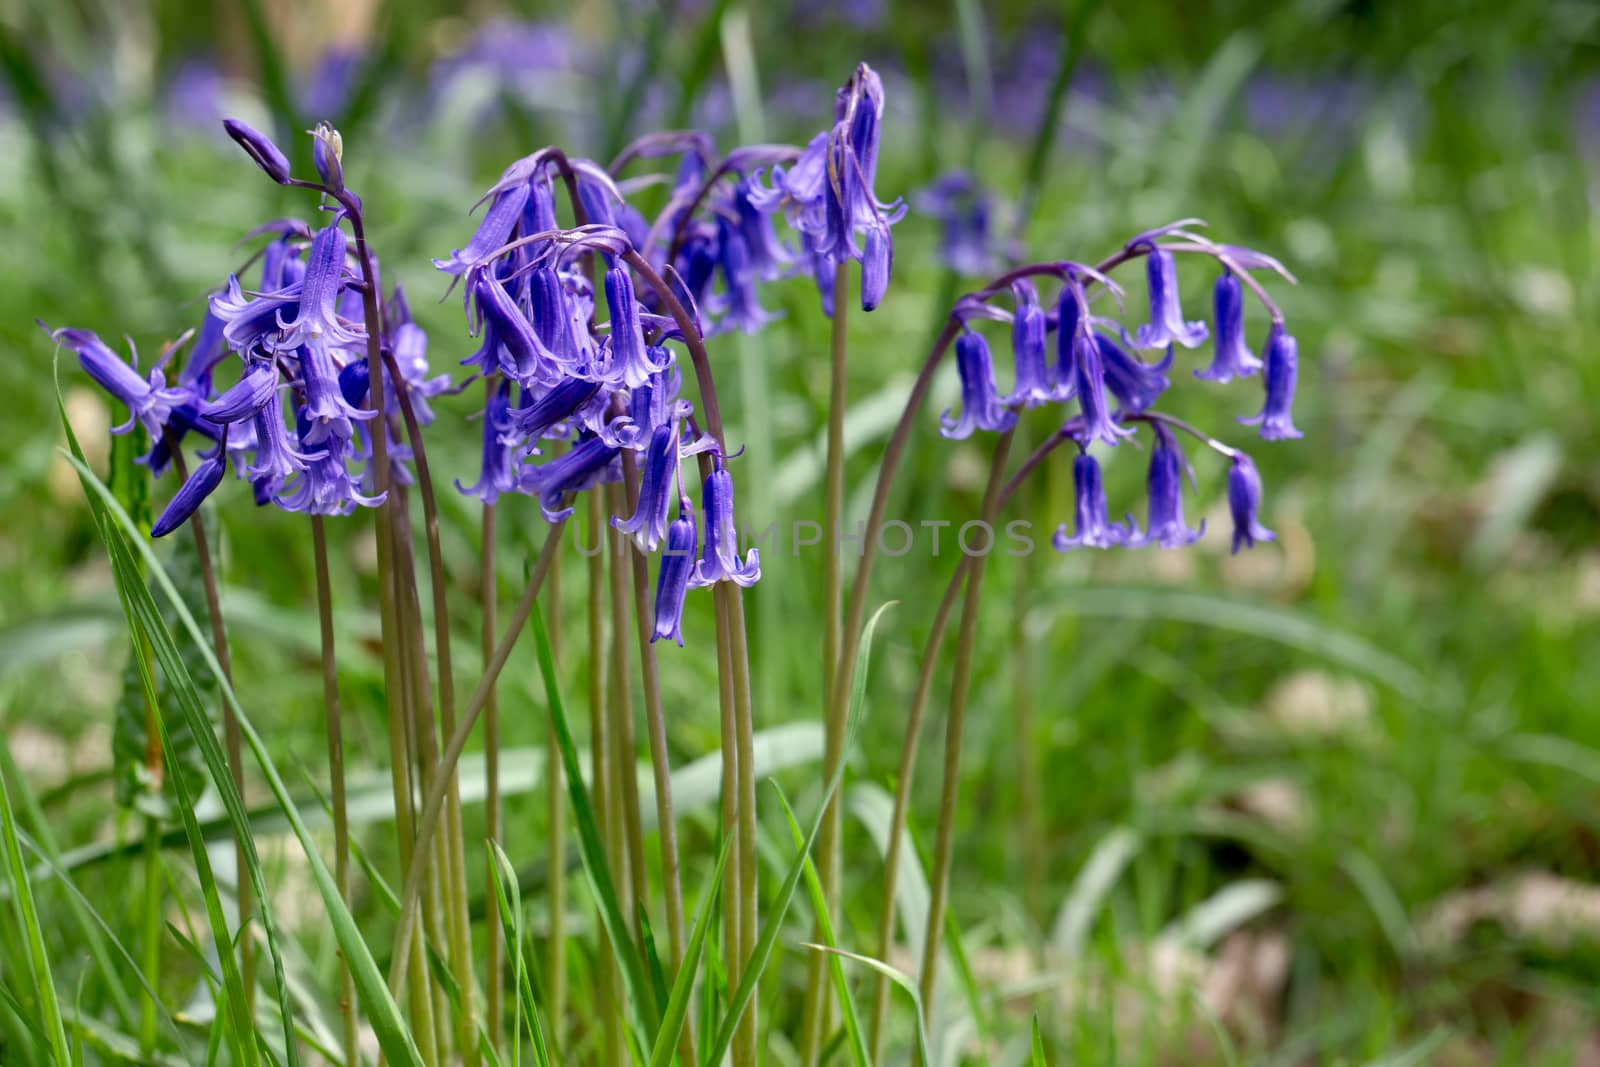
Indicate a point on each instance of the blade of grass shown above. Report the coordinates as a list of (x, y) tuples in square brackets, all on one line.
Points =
[(1038, 1056), (509, 901), (384, 1014), (769, 938), (28, 919), (899, 978), (677, 1010), (591, 849), (819, 905)]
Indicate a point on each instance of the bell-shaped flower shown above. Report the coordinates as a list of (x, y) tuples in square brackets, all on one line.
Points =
[(1232, 357), (1030, 350), (246, 396), (1134, 383), (505, 211), (275, 460), (588, 463), (720, 557), (631, 361), (1166, 325), (1244, 502), (259, 147), (1080, 357), (1092, 530), (201, 483), (1164, 484), (523, 356), (649, 520), (981, 408), (738, 306), (1283, 367), (677, 567), (149, 400), (325, 486), (538, 417), (497, 476)]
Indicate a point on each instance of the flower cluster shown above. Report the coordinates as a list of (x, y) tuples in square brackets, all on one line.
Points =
[(1096, 367), (574, 401), (300, 336)]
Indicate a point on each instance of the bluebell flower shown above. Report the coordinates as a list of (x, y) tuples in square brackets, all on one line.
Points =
[(766, 256), (1233, 357), (677, 566), (877, 263), (649, 519), (1030, 350), (201, 483), (720, 557), (588, 463), (497, 476), (207, 352), (1136, 384), (537, 417), (327, 155), (316, 331), (148, 399), (738, 305), (324, 486), (1244, 501), (981, 408), (410, 343), (1167, 325), (1165, 487), (523, 356), (505, 211), (276, 460), (963, 209), (1080, 359), (632, 361), (1092, 528), (259, 147), (245, 397), (1283, 366)]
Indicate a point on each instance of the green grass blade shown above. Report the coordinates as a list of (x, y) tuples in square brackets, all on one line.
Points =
[(677, 1010), (28, 919), (899, 978), (774, 927), (590, 846), (383, 1013), (508, 897), (819, 905), (1038, 1057)]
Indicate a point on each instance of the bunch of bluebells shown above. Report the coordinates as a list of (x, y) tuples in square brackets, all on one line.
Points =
[(578, 328), (964, 210), (296, 421), (1099, 370)]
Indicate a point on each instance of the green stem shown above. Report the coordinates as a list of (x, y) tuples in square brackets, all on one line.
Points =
[(732, 936), (341, 823), (815, 1020), (607, 995), (939, 875), (457, 919), (555, 814), (745, 1048), (230, 734), (151, 963), (494, 953), (621, 707)]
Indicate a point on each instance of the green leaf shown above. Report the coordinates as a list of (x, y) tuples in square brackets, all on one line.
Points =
[(677, 1010), (899, 978), (590, 846), (1038, 1044), (819, 906), (774, 927), (508, 896)]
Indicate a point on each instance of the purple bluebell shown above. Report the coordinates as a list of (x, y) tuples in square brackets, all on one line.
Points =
[(538, 417), (649, 519), (677, 566), (962, 208), (1244, 502), (149, 400), (275, 459), (317, 331), (327, 155), (522, 355), (1232, 357), (1081, 363), (201, 483), (245, 397), (207, 352), (1283, 367), (497, 476), (1029, 326), (588, 463), (981, 407), (719, 558), (1092, 528), (1167, 325), (410, 344), (877, 263), (505, 210), (737, 306), (259, 147), (324, 486), (632, 361), (767, 257), (1136, 384), (1165, 487)]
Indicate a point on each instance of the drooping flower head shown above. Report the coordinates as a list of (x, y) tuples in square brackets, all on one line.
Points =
[(1164, 483), (981, 408), (1092, 530), (1080, 359), (1167, 325), (1244, 503), (677, 567), (1030, 350), (720, 558), (963, 209), (1233, 358), (1283, 367)]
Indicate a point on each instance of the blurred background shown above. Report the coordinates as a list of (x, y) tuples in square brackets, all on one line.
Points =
[(1336, 800)]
